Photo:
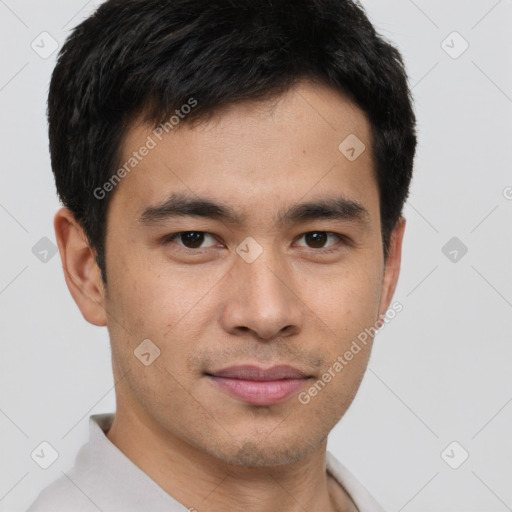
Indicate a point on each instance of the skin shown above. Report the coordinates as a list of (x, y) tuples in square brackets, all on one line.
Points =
[(208, 308)]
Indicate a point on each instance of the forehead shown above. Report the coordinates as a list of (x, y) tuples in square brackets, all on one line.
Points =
[(254, 154)]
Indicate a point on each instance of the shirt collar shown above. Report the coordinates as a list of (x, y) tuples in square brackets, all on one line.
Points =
[(113, 479)]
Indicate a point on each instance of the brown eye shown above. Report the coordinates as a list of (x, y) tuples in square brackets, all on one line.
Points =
[(316, 239), (192, 239), (189, 239)]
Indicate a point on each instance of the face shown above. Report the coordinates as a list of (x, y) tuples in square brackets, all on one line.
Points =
[(259, 279)]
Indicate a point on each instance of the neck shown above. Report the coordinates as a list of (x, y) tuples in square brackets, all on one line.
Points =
[(203, 482)]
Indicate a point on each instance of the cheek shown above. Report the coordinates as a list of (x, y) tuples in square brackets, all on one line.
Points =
[(163, 303), (145, 294), (346, 301), (147, 306), (327, 399)]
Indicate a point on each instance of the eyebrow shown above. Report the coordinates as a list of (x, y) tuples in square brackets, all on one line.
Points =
[(180, 205)]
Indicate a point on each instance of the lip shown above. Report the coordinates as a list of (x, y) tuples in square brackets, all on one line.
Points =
[(259, 386)]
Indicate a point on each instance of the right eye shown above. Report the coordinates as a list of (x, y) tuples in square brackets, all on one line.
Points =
[(189, 239)]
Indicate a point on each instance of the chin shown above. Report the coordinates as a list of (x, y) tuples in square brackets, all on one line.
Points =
[(262, 454)]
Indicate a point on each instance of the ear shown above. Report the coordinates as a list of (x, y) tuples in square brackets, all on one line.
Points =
[(392, 266), (81, 272)]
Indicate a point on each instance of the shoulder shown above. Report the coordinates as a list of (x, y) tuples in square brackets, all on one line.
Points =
[(62, 496)]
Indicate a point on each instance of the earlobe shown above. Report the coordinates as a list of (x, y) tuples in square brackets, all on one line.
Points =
[(392, 268), (81, 272)]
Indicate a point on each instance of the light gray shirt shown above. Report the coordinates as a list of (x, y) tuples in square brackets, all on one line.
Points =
[(104, 479)]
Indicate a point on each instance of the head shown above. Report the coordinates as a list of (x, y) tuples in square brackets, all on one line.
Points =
[(278, 139)]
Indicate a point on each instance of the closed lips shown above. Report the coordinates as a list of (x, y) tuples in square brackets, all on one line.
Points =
[(251, 372)]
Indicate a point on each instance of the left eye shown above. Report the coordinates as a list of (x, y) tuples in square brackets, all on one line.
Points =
[(317, 239), (190, 239)]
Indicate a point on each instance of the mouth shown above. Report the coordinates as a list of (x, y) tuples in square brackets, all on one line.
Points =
[(258, 386)]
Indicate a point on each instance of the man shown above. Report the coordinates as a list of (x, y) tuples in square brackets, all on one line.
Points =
[(233, 176)]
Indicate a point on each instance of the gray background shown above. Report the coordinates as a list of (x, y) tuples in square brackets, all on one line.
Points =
[(440, 371)]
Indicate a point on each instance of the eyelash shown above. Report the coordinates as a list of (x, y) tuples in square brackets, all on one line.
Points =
[(173, 236)]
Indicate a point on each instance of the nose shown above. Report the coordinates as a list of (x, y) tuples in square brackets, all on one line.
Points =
[(262, 298)]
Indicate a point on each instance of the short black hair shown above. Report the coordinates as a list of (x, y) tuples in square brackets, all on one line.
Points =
[(148, 58)]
